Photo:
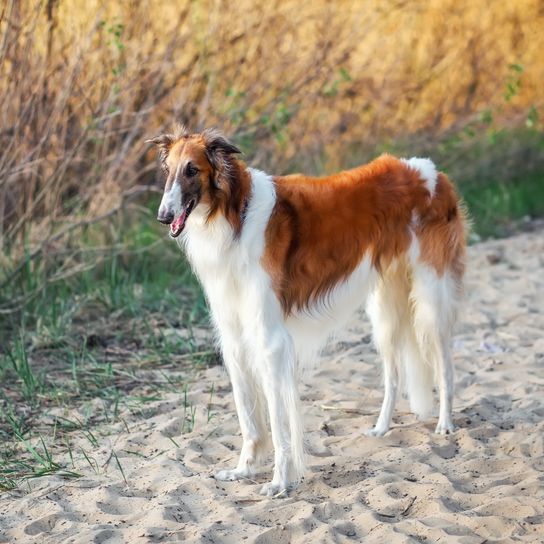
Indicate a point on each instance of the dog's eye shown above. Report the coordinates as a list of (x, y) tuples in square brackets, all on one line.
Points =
[(191, 171)]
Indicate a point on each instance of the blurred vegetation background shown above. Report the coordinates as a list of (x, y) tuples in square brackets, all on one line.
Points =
[(91, 289)]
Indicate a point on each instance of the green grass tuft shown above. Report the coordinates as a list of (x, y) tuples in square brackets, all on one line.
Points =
[(117, 327)]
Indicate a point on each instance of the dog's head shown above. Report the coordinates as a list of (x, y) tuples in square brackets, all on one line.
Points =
[(197, 169)]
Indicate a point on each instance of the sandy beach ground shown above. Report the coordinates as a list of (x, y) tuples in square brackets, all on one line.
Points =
[(484, 483)]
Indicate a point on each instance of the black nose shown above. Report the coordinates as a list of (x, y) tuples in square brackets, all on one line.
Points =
[(166, 219)]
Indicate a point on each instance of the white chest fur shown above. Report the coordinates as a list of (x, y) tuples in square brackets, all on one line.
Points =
[(230, 268)]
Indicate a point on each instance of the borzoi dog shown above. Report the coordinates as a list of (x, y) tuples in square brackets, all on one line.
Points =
[(284, 261)]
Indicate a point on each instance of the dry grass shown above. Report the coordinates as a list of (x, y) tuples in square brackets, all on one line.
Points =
[(82, 84)]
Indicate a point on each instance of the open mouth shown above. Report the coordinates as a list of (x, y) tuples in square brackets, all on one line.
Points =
[(178, 224)]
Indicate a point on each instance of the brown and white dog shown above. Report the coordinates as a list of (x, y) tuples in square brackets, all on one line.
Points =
[(284, 262)]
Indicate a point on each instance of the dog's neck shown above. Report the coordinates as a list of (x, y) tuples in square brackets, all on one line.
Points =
[(231, 195)]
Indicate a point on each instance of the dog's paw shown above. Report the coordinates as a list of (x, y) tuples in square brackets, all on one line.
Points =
[(376, 431), (275, 491), (445, 427), (231, 475)]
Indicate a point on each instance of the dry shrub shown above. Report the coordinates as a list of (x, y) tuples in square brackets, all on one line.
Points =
[(83, 83)]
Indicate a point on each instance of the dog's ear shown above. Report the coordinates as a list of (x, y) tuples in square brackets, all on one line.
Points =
[(218, 148), (164, 143), (163, 140)]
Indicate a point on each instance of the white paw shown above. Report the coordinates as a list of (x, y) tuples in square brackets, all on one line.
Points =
[(376, 431), (276, 491), (231, 475), (445, 427)]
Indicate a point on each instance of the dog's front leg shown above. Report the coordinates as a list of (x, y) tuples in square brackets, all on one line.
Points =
[(249, 407), (277, 368)]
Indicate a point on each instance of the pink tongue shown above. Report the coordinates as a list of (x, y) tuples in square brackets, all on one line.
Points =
[(177, 224)]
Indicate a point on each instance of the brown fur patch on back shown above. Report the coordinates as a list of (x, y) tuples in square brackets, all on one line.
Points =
[(321, 228)]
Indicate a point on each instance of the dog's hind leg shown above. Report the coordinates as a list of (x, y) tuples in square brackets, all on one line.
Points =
[(388, 310), (434, 300), (249, 402)]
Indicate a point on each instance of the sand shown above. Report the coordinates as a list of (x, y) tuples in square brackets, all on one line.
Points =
[(484, 483)]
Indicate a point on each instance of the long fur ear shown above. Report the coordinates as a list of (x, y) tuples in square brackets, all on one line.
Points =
[(218, 148), (162, 140), (230, 182), (164, 143)]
